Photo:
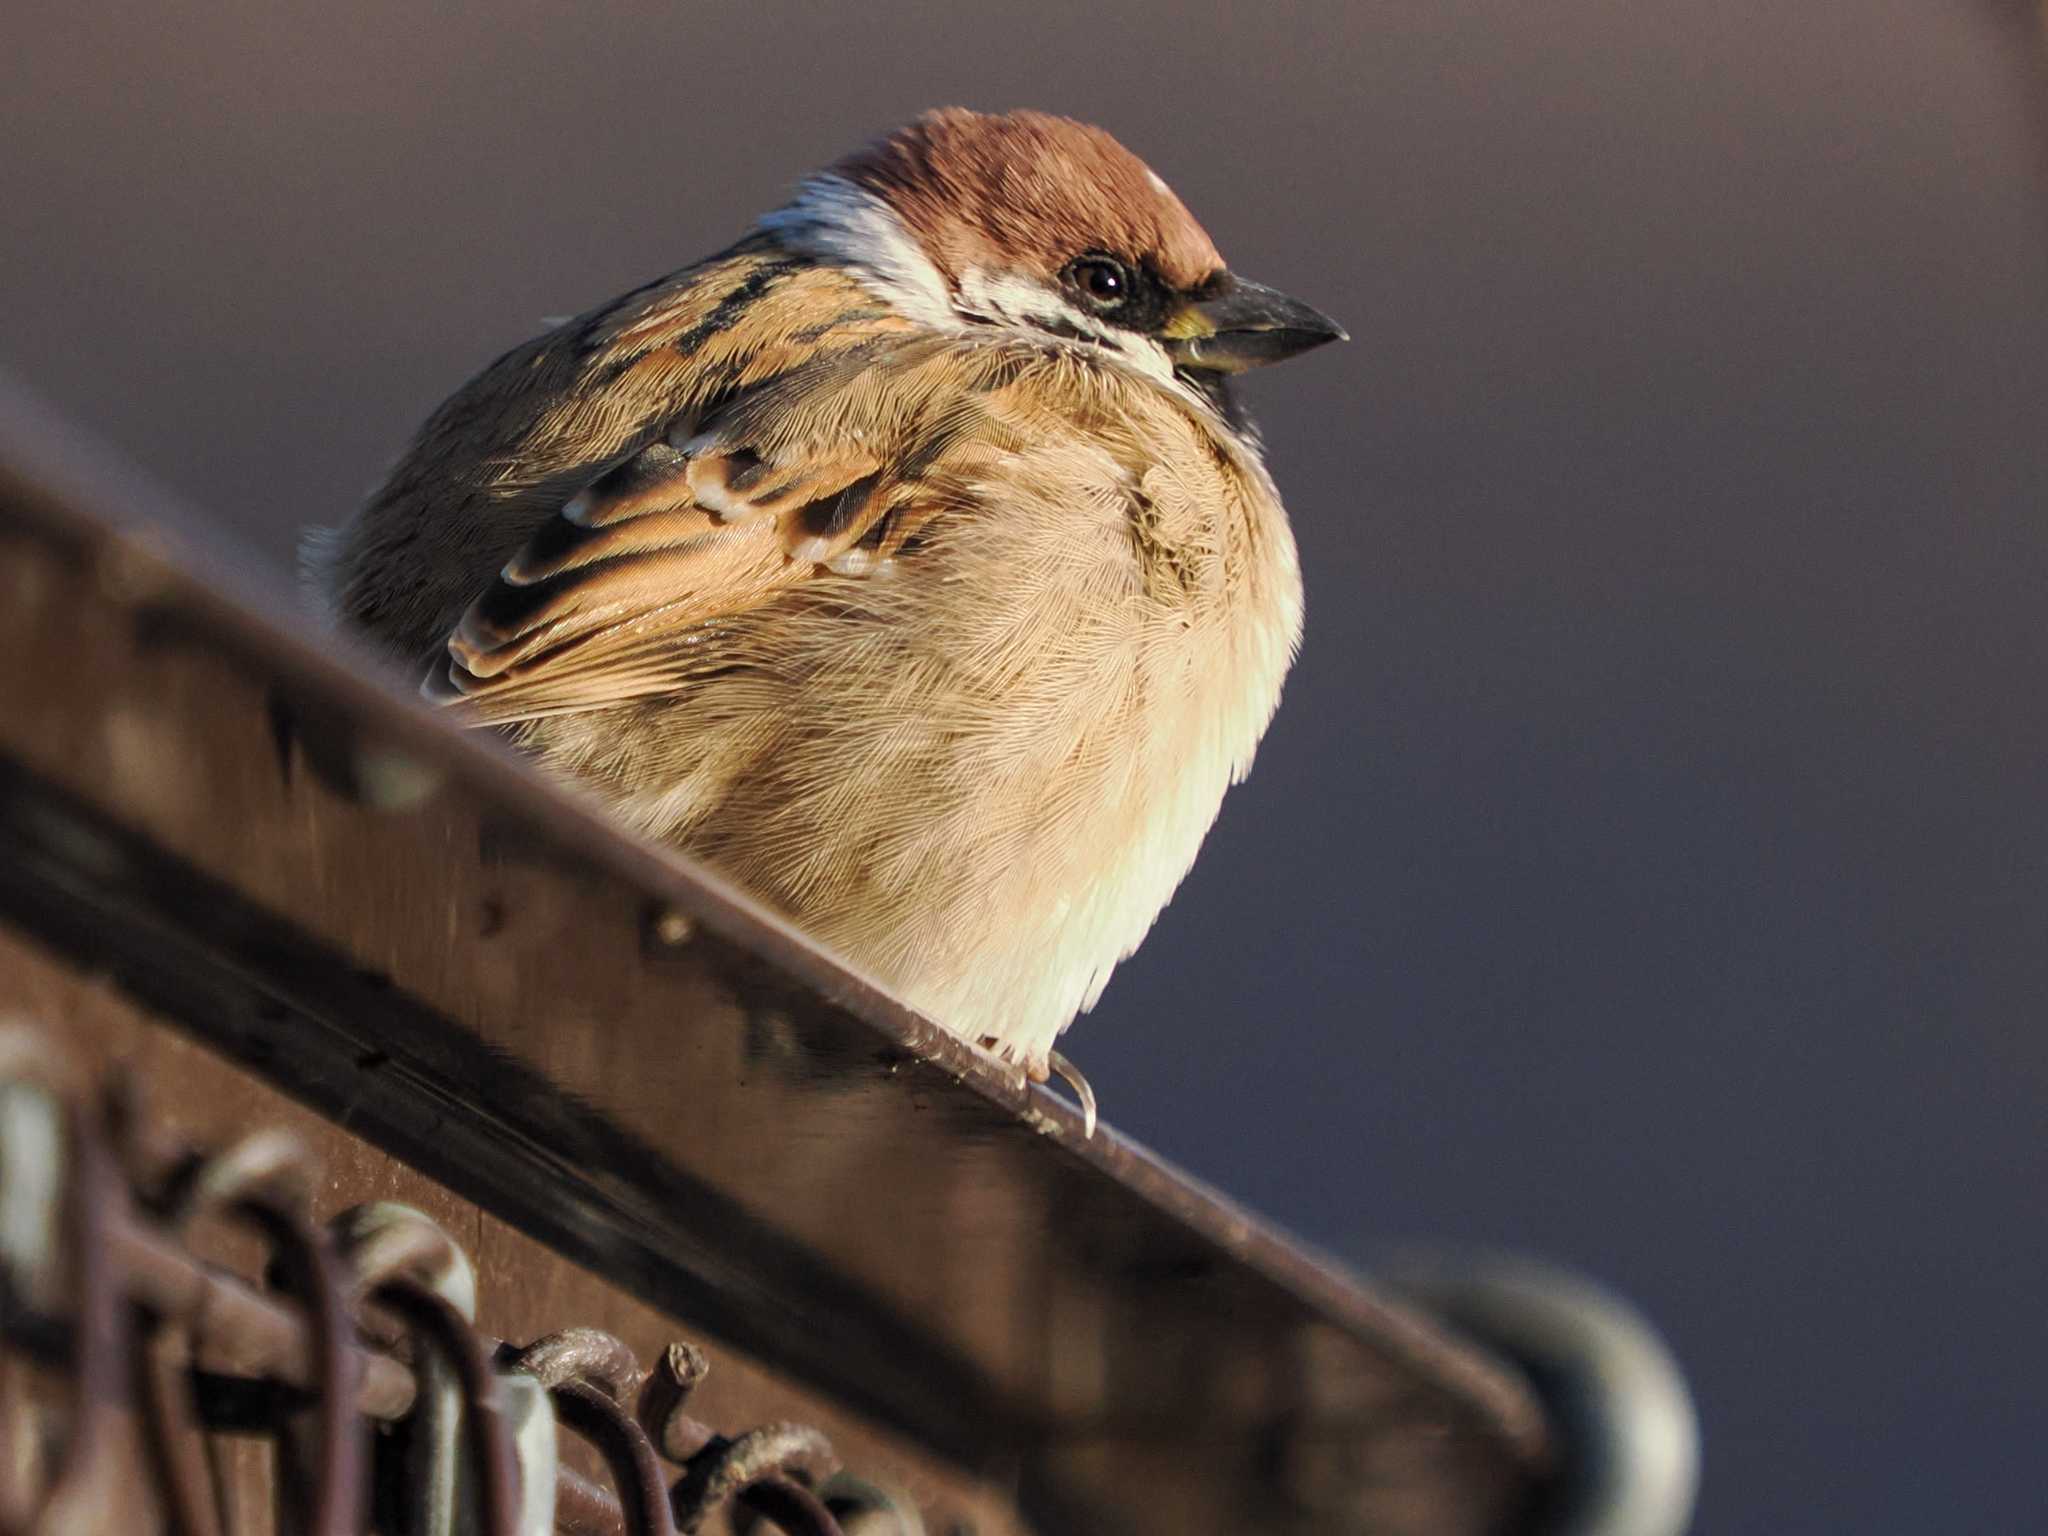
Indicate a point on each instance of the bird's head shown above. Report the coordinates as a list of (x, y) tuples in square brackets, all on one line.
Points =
[(1046, 226)]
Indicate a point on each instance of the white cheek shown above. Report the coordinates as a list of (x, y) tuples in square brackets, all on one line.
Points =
[(836, 221), (1147, 356), (1014, 300), (1023, 303)]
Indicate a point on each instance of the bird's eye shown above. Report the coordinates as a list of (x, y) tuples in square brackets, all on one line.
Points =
[(1102, 282)]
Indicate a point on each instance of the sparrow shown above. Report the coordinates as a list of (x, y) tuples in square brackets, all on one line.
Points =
[(910, 562)]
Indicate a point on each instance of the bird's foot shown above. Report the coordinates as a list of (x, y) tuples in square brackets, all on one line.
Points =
[(1071, 1076), (1053, 1064)]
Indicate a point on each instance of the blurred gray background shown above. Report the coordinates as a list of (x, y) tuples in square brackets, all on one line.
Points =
[(1648, 866)]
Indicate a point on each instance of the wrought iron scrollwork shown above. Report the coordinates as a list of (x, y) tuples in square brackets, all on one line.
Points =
[(367, 1321)]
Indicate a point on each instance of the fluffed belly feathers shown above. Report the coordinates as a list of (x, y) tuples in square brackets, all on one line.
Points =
[(978, 776)]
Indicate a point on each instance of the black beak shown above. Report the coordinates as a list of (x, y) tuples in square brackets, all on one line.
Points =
[(1234, 325)]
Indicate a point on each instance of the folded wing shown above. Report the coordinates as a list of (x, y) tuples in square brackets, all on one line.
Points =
[(828, 465)]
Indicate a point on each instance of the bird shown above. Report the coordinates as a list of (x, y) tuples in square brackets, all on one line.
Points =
[(911, 562)]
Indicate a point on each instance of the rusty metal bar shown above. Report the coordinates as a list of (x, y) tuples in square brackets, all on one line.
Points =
[(129, 1267), (240, 1332)]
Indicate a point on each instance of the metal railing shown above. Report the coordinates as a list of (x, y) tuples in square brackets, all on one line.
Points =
[(366, 1323)]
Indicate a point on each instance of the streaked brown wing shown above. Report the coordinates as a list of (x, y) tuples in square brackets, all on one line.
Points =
[(821, 466)]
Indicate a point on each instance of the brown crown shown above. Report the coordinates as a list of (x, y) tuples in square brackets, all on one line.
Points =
[(1030, 191)]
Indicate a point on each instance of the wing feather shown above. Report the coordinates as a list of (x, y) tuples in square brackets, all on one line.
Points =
[(827, 465)]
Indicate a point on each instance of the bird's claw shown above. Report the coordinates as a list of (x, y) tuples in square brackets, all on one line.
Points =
[(1071, 1076)]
